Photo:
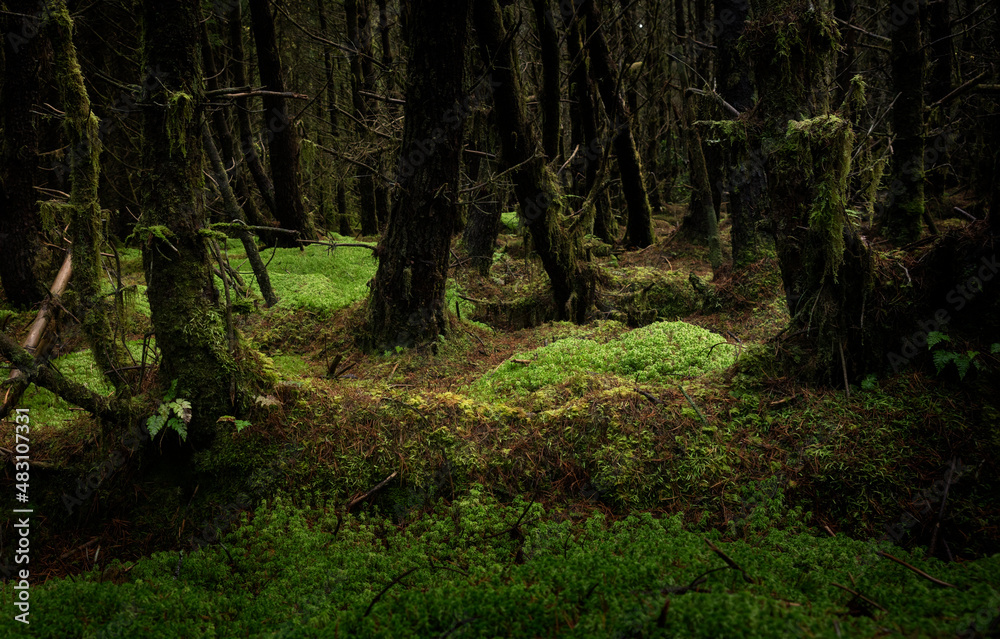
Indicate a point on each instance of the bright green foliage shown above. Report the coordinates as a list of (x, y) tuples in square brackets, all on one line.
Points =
[(659, 352), (510, 221), (479, 568), (174, 413), (317, 278)]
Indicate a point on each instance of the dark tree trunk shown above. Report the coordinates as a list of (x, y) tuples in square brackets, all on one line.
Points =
[(355, 10), (907, 191), (282, 138), (342, 218), (549, 97), (701, 223), (745, 176), (591, 152), (182, 297), (227, 144), (846, 60), (483, 225), (406, 306), (639, 227), (246, 132), (942, 59), (20, 245), (536, 187), (826, 267)]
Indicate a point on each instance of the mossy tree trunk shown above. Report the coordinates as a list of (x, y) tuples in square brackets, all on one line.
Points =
[(701, 222), (592, 149), (182, 296), (406, 306), (745, 176), (81, 128), (907, 192), (639, 226), (20, 224), (537, 189), (827, 269), (283, 138), (483, 224)]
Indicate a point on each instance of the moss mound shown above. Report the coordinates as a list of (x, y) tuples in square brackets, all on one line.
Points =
[(655, 353)]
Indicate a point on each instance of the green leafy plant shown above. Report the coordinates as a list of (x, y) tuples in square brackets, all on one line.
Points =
[(174, 413), (962, 361)]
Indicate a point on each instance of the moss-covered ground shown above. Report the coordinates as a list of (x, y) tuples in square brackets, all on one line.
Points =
[(651, 473)]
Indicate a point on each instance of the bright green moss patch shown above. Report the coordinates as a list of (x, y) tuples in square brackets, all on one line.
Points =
[(661, 352), (318, 279), (491, 569)]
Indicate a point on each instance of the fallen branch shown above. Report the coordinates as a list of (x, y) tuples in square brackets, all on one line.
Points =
[(371, 492), (858, 595), (916, 570)]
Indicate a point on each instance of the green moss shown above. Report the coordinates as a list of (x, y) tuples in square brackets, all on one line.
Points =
[(489, 569), (661, 352)]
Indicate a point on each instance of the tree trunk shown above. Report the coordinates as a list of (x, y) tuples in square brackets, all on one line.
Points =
[(343, 219), (483, 225), (907, 192), (639, 227), (826, 267), (406, 306), (591, 152), (182, 296), (247, 142), (701, 223), (536, 187), (81, 126), (549, 95), (20, 224), (354, 10), (745, 177), (282, 136)]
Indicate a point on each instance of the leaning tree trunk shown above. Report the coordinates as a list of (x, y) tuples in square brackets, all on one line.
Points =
[(81, 126), (908, 58), (182, 297), (20, 224), (282, 136), (639, 227), (536, 187), (826, 267), (407, 306)]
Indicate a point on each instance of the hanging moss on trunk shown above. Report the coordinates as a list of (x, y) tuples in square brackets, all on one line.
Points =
[(81, 127)]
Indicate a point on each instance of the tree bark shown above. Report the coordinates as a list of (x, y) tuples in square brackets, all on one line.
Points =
[(246, 133), (826, 267), (406, 306), (700, 223), (94, 311), (356, 10), (182, 296), (591, 153), (639, 227), (549, 95), (283, 139), (536, 187), (908, 60), (20, 224)]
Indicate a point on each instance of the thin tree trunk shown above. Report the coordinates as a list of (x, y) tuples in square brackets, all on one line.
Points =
[(407, 304), (908, 59), (701, 222), (20, 224), (282, 137), (234, 211), (246, 132), (536, 187), (370, 221), (549, 96), (639, 227), (591, 152)]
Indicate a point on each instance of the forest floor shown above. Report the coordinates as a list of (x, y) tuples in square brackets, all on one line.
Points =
[(650, 473)]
